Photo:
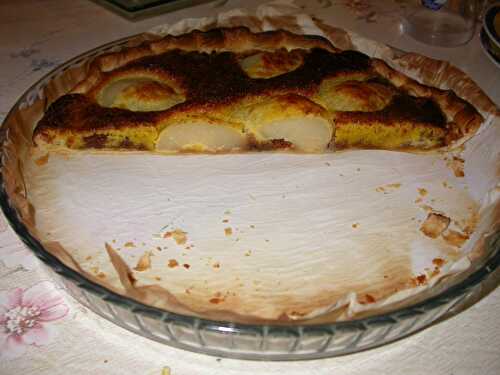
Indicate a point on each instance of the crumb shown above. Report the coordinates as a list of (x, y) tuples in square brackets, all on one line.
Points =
[(266, 240), (165, 371), (186, 266), (105, 361), (228, 231), (178, 235), (157, 278), (327, 163), (113, 241), (423, 192), (227, 212), (438, 262), (455, 238), (216, 265), (420, 280), (355, 225), (88, 257), (380, 189), (172, 263), (358, 169), (158, 248), (252, 226), (42, 160), (225, 221), (434, 225), (129, 244), (369, 298), (101, 275), (457, 166), (248, 253), (144, 262)]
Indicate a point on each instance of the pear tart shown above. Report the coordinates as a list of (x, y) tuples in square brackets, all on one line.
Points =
[(231, 90)]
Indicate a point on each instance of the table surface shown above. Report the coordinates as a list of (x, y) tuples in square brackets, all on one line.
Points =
[(64, 337)]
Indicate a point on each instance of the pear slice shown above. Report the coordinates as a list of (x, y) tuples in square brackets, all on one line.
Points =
[(290, 121), (139, 94), (201, 134)]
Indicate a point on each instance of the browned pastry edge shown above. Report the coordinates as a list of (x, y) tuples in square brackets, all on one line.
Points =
[(463, 119), (233, 39)]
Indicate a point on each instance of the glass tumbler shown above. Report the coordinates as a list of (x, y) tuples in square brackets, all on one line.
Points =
[(441, 22)]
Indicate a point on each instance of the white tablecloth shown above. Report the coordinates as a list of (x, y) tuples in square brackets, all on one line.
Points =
[(64, 337)]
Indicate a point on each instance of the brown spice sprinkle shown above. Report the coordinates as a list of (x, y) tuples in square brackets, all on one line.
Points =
[(434, 225), (228, 231), (144, 262), (178, 235), (186, 266), (172, 263), (455, 238)]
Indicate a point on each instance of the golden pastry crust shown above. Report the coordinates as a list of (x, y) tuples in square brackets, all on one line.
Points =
[(130, 97)]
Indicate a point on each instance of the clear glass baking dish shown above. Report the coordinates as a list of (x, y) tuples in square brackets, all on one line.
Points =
[(290, 341)]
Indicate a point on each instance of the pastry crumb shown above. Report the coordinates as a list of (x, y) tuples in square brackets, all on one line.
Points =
[(457, 166), (186, 266), (165, 371), (129, 244), (455, 238), (172, 263), (423, 192), (144, 262), (178, 235), (228, 231), (355, 225), (216, 265), (434, 225), (42, 160), (225, 221), (438, 262)]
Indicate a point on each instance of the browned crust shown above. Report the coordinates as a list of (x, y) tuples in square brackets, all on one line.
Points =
[(234, 39), (462, 118), (186, 61)]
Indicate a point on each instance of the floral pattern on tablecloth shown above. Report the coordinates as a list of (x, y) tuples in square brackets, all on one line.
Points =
[(27, 317)]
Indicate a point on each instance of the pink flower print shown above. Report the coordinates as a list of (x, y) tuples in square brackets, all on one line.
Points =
[(25, 316)]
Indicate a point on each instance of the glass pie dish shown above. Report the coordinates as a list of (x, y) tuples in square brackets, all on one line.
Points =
[(273, 341)]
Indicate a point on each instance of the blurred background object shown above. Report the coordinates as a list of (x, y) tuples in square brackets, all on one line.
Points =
[(140, 9), (444, 23)]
